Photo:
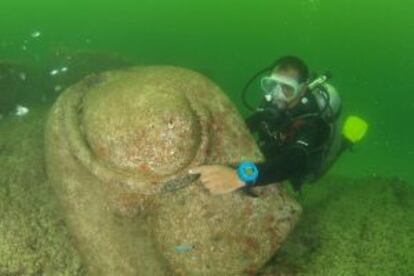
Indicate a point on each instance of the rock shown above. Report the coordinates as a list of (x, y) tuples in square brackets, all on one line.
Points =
[(118, 148), (33, 237), (351, 226)]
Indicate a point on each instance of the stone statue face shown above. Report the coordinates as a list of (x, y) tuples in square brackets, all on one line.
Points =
[(118, 148)]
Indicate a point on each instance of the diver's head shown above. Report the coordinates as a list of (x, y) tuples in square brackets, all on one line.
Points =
[(286, 83)]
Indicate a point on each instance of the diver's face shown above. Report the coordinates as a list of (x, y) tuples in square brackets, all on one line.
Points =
[(290, 73), (289, 91)]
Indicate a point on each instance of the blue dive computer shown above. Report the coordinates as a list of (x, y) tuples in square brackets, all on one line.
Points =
[(248, 172)]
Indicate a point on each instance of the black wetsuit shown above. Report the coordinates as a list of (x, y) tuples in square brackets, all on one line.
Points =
[(292, 142)]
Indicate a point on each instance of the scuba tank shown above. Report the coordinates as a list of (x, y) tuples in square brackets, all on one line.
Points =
[(327, 97), (330, 106)]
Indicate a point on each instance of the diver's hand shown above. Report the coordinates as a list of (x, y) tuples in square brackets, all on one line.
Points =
[(218, 179)]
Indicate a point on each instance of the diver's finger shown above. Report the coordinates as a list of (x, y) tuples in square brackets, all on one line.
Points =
[(215, 180), (214, 189), (209, 185), (198, 170), (206, 178), (203, 179)]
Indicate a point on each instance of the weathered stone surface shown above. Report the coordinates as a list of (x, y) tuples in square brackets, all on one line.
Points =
[(351, 226), (33, 237), (118, 148)]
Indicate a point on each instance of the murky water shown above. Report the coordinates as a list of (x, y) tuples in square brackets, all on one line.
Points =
[(366, 45)]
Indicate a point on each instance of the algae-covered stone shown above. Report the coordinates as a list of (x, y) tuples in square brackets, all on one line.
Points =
[(33, 237), (351, 226), (118, 147)]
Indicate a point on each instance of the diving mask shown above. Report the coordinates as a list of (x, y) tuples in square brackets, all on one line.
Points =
[(280, 90)]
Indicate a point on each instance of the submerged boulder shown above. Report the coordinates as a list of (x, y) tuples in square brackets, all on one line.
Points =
[(33, 237), (118, 148)]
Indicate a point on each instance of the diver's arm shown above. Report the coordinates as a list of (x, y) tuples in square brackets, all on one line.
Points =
[(294, 160), (290, 163)]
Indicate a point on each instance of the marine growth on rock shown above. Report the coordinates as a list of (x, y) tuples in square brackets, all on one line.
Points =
[(118, 148)]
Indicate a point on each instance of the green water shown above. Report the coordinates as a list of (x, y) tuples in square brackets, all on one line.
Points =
[(367, 45)]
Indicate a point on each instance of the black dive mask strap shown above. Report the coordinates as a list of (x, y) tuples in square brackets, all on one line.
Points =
[(249, 83)]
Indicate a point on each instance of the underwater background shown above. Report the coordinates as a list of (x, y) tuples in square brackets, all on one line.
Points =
[(366, 45)]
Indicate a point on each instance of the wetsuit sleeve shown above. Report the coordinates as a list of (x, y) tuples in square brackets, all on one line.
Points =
[(295, 160), (288, 164)]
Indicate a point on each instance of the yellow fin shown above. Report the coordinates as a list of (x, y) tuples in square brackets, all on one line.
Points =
[(354, 128)]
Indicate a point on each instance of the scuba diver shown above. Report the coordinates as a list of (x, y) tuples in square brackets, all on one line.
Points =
[(299, 131)]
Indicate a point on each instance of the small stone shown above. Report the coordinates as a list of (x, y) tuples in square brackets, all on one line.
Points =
[(184, 248)]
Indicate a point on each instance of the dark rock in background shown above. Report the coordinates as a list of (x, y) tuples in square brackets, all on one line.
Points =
[(19, 85), (65, 67)]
